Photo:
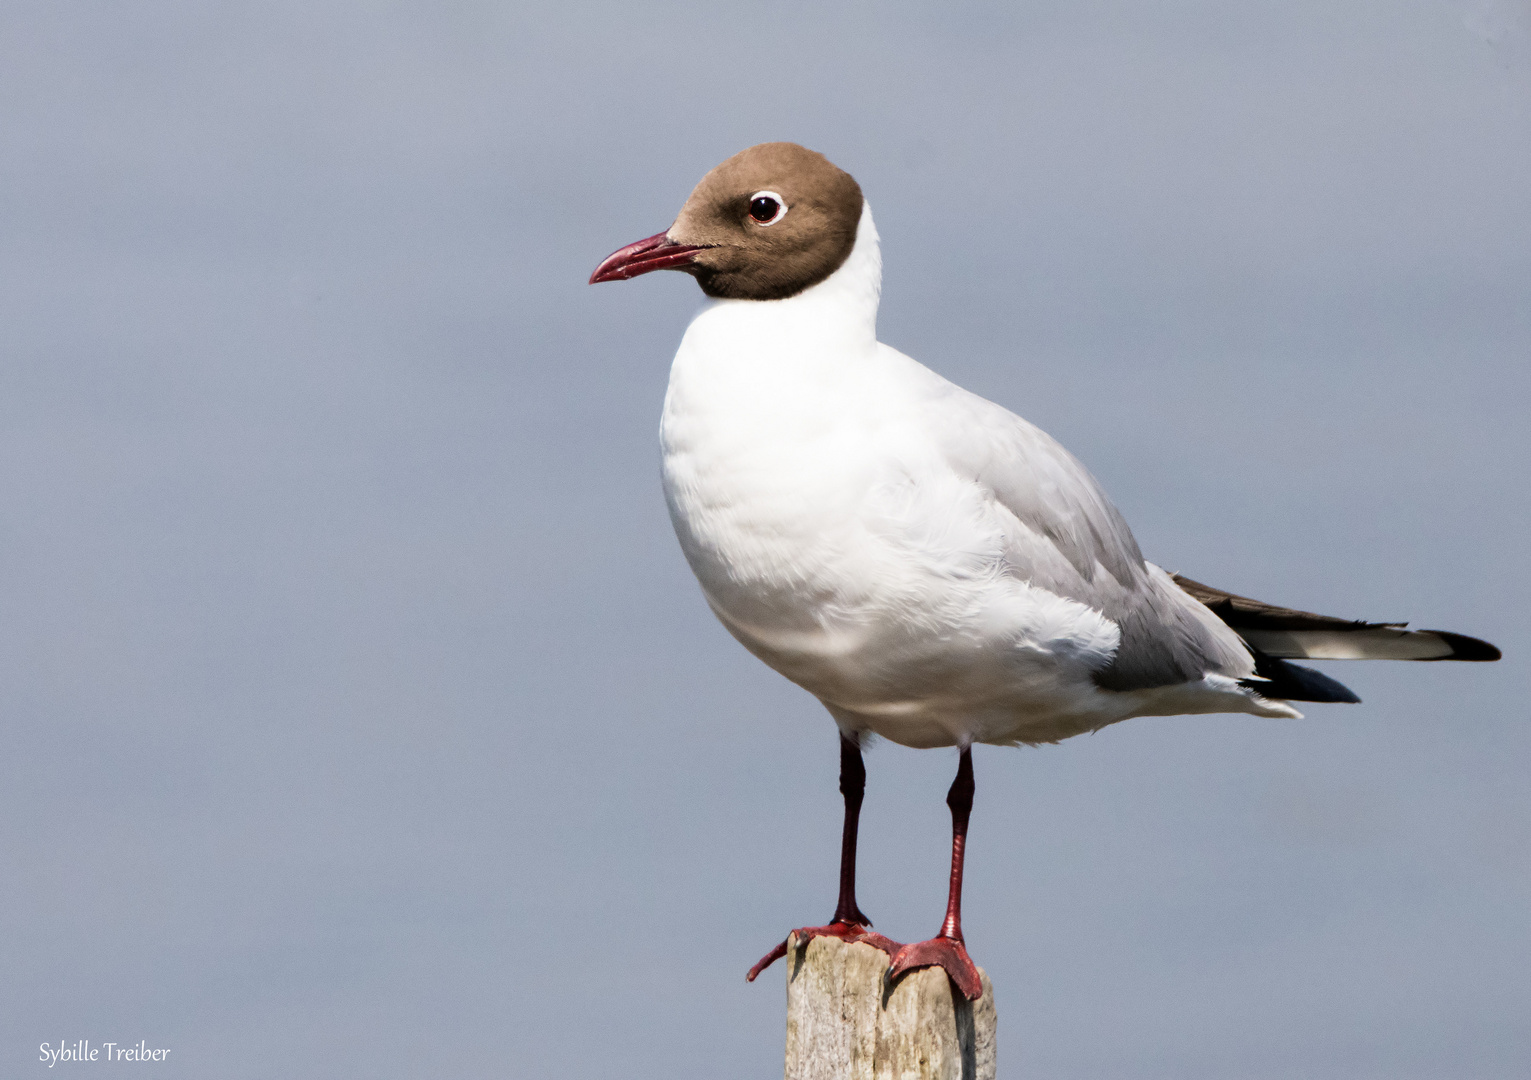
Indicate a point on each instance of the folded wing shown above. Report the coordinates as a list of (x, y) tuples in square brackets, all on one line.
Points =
[(1068, 539), (1286, 633)]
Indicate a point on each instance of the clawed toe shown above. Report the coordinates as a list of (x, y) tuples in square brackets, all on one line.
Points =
[(878, 941), (845, 931), (943, 952), (766, 961)]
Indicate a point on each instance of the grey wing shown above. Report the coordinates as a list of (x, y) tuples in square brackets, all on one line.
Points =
[(1073, 542)]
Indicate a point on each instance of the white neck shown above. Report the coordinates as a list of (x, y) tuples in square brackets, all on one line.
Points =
[(839, 313)]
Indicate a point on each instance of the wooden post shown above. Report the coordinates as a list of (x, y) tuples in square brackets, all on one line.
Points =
[(845, 1022)]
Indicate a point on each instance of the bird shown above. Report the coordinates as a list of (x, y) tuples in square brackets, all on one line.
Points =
[(936, 570)]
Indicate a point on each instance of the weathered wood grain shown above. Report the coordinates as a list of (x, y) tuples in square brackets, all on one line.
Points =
[(845, 1022)]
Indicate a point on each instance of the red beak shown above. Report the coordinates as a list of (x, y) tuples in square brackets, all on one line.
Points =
[(654, 253)]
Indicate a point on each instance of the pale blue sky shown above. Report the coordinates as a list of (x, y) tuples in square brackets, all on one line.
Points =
[(361, 718)]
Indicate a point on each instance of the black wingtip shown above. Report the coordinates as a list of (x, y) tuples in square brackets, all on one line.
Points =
[(1292, 682), (1466, 648)]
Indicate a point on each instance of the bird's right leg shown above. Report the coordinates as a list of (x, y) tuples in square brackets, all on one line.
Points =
[(848, 923), (947, 949)]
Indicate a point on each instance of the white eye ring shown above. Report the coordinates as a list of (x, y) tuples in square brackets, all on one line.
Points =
[(781, 208)]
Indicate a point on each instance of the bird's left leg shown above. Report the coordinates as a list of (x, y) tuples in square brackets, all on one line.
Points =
[(946, 949), (848, 922)]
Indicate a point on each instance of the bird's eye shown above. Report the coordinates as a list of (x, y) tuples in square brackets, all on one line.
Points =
[(767, 208)]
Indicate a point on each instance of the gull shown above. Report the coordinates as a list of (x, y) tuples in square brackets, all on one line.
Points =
[(933, 568)]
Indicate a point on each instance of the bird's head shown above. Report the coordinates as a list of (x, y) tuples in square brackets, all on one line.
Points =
[(766, 224)]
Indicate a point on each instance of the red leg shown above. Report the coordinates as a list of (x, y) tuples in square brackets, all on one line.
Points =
[(848, 922), (946, 949), (853, 786)]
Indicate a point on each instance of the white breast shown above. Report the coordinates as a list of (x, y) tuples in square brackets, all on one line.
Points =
[(767, 457)]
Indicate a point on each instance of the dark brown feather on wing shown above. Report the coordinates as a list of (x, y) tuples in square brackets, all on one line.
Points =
[(1283, 632)]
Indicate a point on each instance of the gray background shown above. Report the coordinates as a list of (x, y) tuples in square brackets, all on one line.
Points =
[(360, 717)]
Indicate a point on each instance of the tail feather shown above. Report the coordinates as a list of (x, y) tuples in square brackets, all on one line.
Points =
[(1279, 633), (1275, 678)]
